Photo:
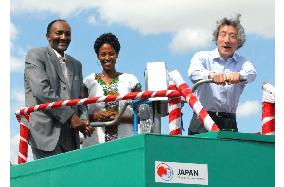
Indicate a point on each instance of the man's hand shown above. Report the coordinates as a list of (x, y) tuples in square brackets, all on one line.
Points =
[(82, 125), (88, 129), (232, 78), (218, 78), (221, 78)]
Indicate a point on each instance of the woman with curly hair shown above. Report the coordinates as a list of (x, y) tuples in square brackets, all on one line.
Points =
[(109, 82)]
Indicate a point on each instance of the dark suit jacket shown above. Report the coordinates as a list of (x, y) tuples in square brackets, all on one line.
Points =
[(45, 83)]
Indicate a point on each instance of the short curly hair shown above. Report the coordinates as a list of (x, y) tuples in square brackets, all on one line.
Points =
[(235, 22), (107, 38)]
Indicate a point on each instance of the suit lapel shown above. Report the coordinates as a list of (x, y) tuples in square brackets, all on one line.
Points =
[(70, 70), (55, 61)]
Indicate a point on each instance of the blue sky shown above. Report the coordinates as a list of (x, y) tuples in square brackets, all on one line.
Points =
[(148, 31)]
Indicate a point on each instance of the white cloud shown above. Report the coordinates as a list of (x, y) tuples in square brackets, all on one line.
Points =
[(17, 64), (248, 109), (160, 16), (62, 8), (13, 31), (17, 100), (19, 96), (14, 149), (13, 34), (92, 20), (187, 39)]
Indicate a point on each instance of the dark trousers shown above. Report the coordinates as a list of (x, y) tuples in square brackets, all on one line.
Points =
[(66, 142), (38, 154), (224, 122)]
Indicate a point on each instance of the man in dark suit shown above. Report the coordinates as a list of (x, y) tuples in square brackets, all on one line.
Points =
[(50, 76)]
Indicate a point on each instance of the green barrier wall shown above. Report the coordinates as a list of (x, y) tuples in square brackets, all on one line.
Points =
[(233, 159)]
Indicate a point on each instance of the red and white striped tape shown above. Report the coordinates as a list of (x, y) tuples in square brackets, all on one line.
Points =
[(191, 99), (268, 118), (268, 109), (183, 88), (23, 143), (174, 112), (86, 101), (25, 111)]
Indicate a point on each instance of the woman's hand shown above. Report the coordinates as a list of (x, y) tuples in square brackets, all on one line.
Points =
[(107, 115)]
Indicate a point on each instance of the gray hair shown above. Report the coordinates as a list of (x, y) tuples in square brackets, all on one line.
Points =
[(235, 22)]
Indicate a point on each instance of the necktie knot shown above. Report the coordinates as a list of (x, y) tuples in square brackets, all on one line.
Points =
[(62, 59)]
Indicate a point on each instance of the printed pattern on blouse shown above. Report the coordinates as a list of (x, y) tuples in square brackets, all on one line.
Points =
[(111, 88)]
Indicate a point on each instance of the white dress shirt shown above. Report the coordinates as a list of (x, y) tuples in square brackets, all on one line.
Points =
[(219, 98), (62, 60)]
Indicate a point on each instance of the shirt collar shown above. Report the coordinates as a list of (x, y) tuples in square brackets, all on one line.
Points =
[(216, 55), (58, 55)]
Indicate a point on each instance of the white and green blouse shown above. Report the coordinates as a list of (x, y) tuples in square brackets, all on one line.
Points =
[(123, 83)]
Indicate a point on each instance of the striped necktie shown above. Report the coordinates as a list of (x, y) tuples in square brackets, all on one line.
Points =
[(64, 69)]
